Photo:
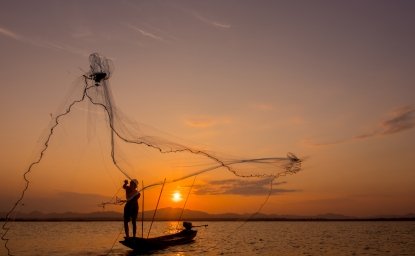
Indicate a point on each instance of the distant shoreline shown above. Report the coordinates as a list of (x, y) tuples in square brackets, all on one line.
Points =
[(226, 219), (172, 214)]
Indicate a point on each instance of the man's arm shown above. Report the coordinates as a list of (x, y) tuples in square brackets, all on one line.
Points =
[(125, 184)]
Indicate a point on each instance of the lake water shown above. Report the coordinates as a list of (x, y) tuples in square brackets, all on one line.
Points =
[(220, 238)]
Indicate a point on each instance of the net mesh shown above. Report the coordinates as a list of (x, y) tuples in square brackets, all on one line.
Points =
[(95, 90)]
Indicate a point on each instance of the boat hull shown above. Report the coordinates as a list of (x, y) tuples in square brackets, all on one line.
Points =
[(161, 242)]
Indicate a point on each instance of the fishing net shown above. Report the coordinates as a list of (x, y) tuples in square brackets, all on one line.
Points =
[(95, 91)]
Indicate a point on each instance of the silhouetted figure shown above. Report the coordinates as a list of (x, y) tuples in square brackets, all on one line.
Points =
[(131, 206), (187, 225)]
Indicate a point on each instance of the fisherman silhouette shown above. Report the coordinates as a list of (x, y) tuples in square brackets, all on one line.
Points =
[(131, 206)]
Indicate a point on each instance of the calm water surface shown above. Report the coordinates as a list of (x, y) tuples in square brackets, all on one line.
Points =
[(220, 238)]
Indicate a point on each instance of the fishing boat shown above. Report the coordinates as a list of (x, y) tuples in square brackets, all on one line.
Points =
[(184, 236)]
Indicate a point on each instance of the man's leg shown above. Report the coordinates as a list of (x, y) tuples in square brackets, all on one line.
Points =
[(126, 228), (134, 220)]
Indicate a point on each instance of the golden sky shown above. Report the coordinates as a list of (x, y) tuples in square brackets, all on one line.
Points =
[(331, 81)]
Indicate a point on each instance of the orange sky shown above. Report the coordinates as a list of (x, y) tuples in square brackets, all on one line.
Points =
[(330, 81)]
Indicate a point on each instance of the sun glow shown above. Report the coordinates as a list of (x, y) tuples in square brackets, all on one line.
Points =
[(176, 197)]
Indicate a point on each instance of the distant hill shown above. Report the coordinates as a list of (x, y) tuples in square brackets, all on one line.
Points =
[(174, 213)]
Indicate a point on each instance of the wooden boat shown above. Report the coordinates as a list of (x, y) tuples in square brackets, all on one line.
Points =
[(157, 243)]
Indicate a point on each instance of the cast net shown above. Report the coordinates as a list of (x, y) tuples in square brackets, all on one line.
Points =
[(94, 90)]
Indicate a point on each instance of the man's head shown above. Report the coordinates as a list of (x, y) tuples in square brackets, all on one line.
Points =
[(134, 182)]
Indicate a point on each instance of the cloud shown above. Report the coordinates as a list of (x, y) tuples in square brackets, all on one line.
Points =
[(10, 34), (213, 23), (63, 47), (400, 119), (239, 187), (145, 33), (81, 32), (41, 43), (221, 25), (205, 121)]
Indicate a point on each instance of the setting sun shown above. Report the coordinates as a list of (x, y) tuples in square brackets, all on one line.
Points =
[(176, 197)]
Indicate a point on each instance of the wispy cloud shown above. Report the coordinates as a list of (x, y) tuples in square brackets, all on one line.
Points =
[(145, 33), (263, 106), (63, 47), (40, 43), (400, 119), (81, 32), (217, 24), (205, 121), (240, 187), (10, 34)]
